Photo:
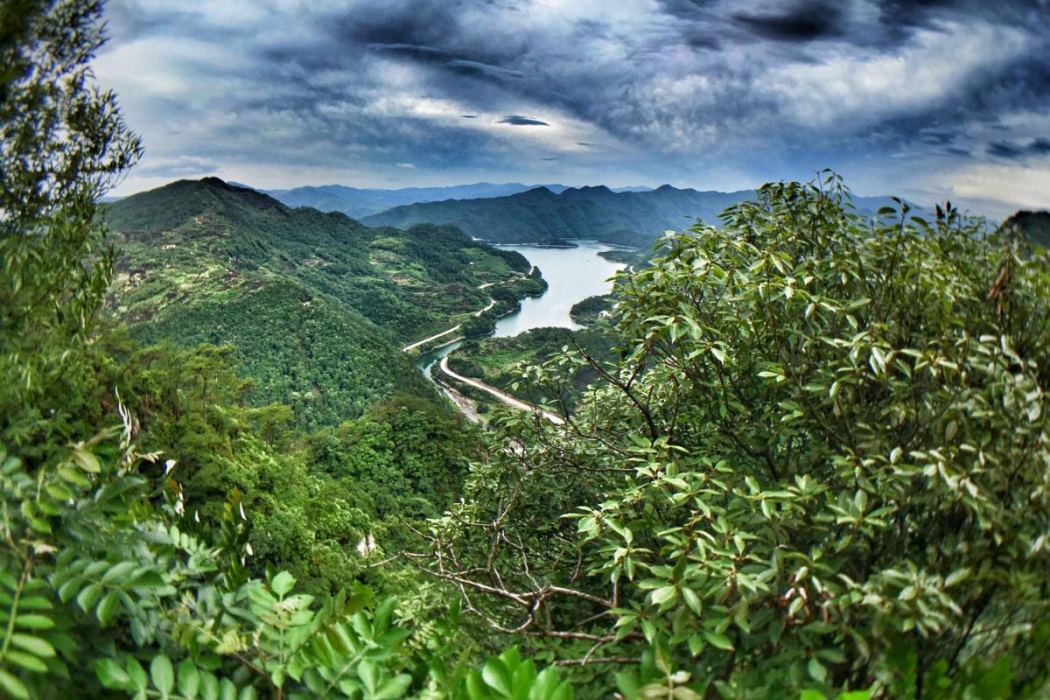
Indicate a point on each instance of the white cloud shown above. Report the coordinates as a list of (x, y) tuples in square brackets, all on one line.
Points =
[(866, 89), (1022, 186)]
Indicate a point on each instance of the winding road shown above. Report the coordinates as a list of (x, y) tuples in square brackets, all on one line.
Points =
[(502, 396), (455, 328), (461, 401), (477, 314)]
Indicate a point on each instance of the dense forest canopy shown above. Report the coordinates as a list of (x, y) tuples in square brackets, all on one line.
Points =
[(314, 305), (804, 455)]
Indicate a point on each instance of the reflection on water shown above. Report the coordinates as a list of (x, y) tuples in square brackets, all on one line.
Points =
[(425, 361), (573, 274)]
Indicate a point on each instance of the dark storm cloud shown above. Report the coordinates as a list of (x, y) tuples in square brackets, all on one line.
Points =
[(805, 21), (429, 54), (1004, 149), (382, 82), (414, 50), (465, 66), (518, 120), (1017, 151)]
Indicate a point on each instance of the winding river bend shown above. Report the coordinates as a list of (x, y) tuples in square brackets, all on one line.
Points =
[(572, 275)]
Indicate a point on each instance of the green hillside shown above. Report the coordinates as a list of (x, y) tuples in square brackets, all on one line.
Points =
[(357, 202), (316, 305), (540, 215), (1034, 224), (588, 212)]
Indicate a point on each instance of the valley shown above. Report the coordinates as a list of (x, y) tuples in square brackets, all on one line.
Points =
[(315, 306), (572, 274), (417, 438)]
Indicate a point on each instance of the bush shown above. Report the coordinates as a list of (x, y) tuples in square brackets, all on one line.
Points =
[(821, 463)]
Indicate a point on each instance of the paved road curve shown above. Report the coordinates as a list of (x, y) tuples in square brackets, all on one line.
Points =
[(505, 398)]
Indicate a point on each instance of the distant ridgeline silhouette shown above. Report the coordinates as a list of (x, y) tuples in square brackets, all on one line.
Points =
[(539, 215)]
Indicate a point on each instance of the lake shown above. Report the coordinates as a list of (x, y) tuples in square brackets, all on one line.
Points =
[(572, 275)]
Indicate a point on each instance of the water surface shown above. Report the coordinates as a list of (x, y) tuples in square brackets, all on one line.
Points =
[(572, 275)]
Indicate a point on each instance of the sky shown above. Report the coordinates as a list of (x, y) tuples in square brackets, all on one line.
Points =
[(926, 99)]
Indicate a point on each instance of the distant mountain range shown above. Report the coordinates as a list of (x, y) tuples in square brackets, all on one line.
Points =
[(359, 203), (541, 215)]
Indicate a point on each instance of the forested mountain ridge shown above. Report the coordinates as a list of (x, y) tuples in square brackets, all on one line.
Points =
[(360, 202), (1033, 224), (316, 305), (539, 215), (622, 217)]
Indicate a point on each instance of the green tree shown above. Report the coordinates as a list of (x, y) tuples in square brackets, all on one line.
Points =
[(62, 144), (821, 463)]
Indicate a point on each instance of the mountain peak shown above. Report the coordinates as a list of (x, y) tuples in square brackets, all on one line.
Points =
[(540, 191), (177, 202)]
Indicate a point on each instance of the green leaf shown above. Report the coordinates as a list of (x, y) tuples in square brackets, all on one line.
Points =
[(111, 675), (282, 584), (137, 674), (26, 661), (383, 614), (12, 686), (368, 672), (854, 695), (189, 679), (209, 687), (476, 687), (692, 599), (34, 645), (816, 670), (664, 594), (108, 607), (87, 598), (117, 571), (86, 460), (494, 672), (227, 690), (956, 577), (719, 641), (394, 688), (34, 622), (162, 673)]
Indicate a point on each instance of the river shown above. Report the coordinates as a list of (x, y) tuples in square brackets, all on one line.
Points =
[(572, 275)]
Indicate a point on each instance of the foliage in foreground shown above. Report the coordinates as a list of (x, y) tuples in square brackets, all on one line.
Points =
[(820, 463), (107, 585), (95, 577)]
